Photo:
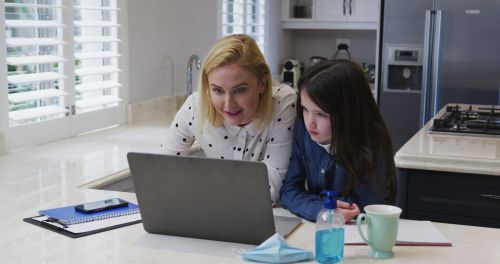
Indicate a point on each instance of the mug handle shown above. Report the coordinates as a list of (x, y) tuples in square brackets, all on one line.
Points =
[(358, 224)]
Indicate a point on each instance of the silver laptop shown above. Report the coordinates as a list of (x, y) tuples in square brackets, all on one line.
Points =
[(226, 200)]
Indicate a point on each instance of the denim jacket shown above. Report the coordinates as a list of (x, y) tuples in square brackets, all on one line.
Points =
[(305, 181)]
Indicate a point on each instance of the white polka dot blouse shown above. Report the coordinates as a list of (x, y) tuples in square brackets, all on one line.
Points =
[(271, 145)]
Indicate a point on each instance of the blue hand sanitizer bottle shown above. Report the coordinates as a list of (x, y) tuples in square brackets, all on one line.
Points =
[(329, 231)]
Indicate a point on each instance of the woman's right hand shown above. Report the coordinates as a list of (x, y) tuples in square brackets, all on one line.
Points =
[(348, 210)]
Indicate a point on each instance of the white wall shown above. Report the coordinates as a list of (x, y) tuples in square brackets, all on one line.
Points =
[(163, 34), (161, 37), (279, 41)]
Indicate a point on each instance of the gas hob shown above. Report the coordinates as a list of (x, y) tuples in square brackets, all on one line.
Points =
[(482, 120)]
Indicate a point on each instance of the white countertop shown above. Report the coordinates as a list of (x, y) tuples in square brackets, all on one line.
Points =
[(25, 243), (450, 152), (48, 176)]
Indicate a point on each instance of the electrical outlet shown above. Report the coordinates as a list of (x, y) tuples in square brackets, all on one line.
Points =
[(344, 41)]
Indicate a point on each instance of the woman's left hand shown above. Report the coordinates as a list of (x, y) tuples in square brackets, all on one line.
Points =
[(348, 210)]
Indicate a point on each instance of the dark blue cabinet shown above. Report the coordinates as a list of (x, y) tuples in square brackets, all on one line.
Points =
[(449, 197)]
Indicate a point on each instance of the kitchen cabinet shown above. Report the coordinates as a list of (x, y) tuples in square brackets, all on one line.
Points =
[(450, 177), (459, 198), (331, 14), (347, 10), (317, 27)]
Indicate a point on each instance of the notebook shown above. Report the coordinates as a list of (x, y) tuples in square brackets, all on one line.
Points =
[(69, 215), (216, 199), (410, 233), (69, 222)]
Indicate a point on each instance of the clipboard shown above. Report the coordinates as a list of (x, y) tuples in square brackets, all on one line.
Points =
[(64, 231), (68, 215)]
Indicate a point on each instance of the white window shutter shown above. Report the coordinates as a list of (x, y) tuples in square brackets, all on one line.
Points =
[(96, 55), (245, 17), (34, 61)]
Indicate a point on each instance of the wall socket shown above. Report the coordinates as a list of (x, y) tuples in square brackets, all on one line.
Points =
[(344, 41)]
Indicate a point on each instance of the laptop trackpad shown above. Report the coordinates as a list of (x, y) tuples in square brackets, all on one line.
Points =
[(286, 224)]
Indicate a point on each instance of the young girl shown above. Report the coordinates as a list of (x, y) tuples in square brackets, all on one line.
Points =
[(340, 143)]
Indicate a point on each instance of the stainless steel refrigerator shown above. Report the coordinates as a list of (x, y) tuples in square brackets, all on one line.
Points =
[(435, 52)]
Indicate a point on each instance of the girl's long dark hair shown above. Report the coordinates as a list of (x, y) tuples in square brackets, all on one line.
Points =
[(359, 135)]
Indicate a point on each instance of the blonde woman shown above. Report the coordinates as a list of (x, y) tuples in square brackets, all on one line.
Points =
[(238, 113)]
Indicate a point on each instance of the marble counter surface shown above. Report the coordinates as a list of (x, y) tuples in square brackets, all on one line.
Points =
[(450, 152), (50, 175), (25, 243)]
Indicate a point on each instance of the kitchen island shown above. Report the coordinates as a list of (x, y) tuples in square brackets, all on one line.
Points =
[(51, 175), (447, 177), (21, 242)]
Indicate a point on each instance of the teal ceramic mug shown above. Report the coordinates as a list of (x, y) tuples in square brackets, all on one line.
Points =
[(382, 228)]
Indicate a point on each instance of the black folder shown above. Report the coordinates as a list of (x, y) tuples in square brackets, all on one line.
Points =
[(67, 233)]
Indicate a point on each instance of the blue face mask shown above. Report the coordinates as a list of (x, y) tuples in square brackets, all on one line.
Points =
[(276, 250)]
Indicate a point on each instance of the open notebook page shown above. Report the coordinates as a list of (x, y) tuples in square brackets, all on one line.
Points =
[(410, 233)]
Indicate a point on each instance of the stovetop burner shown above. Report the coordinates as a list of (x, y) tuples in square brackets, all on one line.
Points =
[(480, 120)]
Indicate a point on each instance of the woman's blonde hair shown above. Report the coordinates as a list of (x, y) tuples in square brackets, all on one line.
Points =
[(243, 50)]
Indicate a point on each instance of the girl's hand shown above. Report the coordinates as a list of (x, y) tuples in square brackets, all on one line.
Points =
[(348, 210)]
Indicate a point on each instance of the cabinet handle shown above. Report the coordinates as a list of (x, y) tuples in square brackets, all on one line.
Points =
[(343, 7), (491, 196), (350, 7)]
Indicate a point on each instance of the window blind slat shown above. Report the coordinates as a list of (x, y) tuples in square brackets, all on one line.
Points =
[(97, 8), (32, 23), (97, 101), (34, 59), (34, 77), (96, 55), (31, 5), (24, 114), (35, 95), (96, 70), (88, 23), (95, 39), (95, 86), (12, 42)]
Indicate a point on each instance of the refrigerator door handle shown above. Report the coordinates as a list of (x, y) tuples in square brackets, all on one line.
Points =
[(343, 7), (436, 54), (424, 99)]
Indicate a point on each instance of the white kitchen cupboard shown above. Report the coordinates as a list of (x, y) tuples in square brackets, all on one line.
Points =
[(331, 14), (347, 10)]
